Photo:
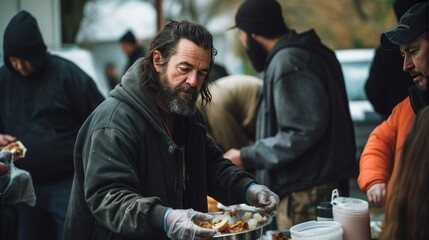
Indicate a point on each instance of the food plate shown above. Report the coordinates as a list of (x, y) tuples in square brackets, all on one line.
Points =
[(258, 221)]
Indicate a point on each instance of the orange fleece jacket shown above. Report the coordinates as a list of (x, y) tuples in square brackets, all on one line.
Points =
[(380, 157)]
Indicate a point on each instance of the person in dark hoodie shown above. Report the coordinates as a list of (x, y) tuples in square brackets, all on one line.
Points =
[(44, 99), (131, 48), (144, 161), (387, 84), (305, 143)]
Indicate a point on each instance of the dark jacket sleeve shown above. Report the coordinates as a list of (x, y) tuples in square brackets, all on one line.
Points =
[(226, 182), (10, 220), (112, 186), (302, 115), (1, 127)]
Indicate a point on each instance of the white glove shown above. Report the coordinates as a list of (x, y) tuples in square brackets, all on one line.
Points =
[(263, 198), (180, 225)]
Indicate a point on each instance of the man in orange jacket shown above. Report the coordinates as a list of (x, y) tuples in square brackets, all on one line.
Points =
[(379, 160)]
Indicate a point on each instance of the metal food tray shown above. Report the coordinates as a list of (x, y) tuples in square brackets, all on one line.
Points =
[(251, 234)]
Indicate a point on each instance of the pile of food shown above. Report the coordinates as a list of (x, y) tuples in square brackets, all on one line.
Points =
[(223, 226), (17, 149), (279, 236), (235, 221)]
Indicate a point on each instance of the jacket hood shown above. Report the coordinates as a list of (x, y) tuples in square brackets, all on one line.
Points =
[(419, 98), (139, 98), (307, 40), (22, 39)]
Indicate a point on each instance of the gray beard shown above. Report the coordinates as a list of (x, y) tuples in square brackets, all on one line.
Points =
[(171, 99)]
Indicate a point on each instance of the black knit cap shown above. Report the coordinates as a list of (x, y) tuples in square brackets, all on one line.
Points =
[(128, 37), (263, 17), (411, 25)]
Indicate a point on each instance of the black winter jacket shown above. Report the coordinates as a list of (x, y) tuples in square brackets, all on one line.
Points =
[(46, 109), (304, 131), (128, 170)]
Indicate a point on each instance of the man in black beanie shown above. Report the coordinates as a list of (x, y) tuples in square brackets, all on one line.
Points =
[(305, 143), (131, 48), (44, 99)]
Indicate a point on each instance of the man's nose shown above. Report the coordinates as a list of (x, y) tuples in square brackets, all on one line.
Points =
[(408, 64), (192, 79)]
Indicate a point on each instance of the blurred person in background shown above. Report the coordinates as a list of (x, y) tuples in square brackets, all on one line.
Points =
[(111, 73), (387, 84), (407, 211), (218, 71), (305, 143), (44, 99), (231, 115), (144, 161), (132, 49), (381, 155)]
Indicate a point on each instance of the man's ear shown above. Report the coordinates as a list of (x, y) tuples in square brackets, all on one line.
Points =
[(157, 61)]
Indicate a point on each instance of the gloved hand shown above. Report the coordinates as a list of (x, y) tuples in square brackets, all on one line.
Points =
[(180, 225), (262, 198)]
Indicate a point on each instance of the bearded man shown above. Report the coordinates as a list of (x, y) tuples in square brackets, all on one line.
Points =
[(144, 162), (305, 143)]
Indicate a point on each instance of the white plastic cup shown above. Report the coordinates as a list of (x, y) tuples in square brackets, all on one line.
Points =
[(317, 230), (353, 215)]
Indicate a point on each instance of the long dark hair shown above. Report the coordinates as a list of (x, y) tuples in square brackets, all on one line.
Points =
[(407, 209), (166, 43)]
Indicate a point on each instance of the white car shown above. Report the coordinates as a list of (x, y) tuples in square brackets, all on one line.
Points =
[(356, 64)]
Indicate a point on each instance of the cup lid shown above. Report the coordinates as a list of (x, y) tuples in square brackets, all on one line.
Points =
[(348, 203), (315, 228)]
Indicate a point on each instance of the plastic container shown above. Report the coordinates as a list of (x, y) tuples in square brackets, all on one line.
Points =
[(317, 230), (353, 215)]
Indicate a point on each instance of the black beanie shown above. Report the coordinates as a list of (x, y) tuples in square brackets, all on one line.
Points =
[(128, 37), (263, 17)]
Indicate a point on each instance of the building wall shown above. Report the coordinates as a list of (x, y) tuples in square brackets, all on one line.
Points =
[(47, 13)]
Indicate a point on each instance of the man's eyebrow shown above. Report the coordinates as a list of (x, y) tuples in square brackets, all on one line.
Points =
[(188, 64)]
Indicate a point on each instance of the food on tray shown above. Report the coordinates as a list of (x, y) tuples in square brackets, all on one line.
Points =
[(17, 149), (223, 226), (278, 236), (212, 205), (234, 221), (239, 226)]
